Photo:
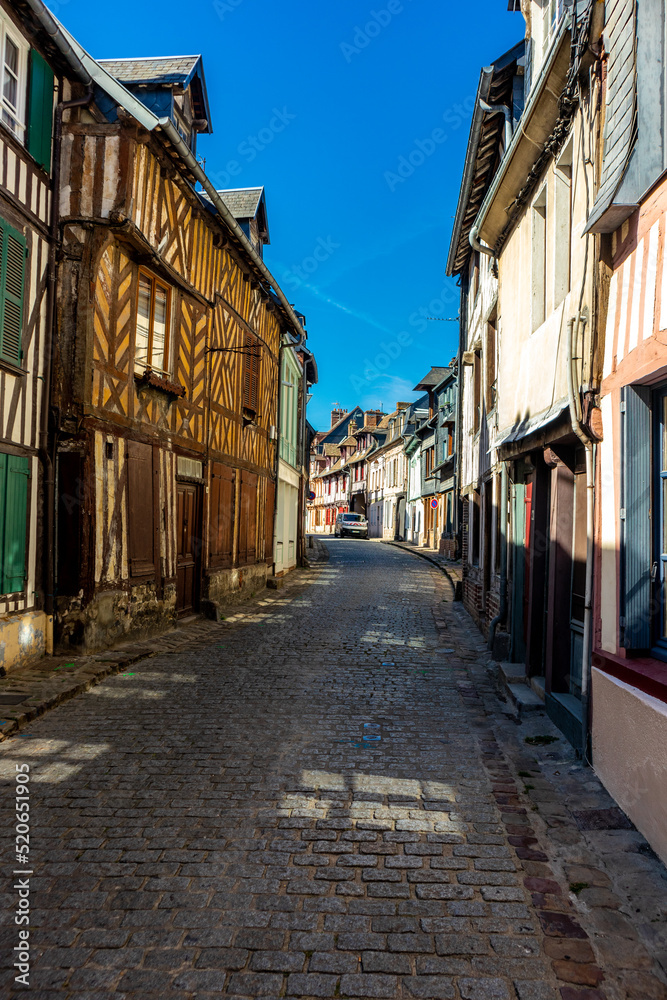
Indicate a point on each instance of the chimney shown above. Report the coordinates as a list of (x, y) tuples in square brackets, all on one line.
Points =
[(352, 428), (337, 415), (372, 418), (402, 406)]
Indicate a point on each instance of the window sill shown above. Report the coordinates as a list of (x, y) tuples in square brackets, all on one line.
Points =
[(8, 366), (148, 379), (645, 673)]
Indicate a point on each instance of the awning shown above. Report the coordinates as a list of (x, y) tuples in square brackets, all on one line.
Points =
[(530, 425)]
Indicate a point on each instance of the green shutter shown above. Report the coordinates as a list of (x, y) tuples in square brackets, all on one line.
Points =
[(15, 521), (12, 275), (40, 114)]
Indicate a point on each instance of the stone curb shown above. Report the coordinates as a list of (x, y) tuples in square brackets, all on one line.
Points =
[(99, 666), (320, 552), (455, 581)]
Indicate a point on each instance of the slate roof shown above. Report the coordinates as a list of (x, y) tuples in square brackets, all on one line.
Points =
[(157, 69), (358, 456), (434, 376), (242, 202)]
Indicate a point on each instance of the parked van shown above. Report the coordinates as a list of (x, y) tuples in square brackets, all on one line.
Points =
[(354, 525)]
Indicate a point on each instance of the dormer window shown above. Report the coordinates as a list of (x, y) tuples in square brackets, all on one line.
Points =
[(170, 86)]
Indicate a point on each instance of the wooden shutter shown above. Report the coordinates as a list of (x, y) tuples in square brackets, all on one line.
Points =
[(12, 277), (251, 363), (40, 110), (268, 520), (221, 516), (140, 508), (14, 475), (248, 519), (636, 548)]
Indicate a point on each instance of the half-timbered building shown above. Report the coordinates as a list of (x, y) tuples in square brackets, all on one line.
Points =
[(629, 664), (167, 366), (33, 72)]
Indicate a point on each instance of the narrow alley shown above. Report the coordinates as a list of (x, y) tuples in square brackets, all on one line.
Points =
[(327, 798)]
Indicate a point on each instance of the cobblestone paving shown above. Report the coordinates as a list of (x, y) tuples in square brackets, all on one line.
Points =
[(311, 802)]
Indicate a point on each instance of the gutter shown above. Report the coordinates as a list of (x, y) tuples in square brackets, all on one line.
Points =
[(483, 90), (59, 39), (529, 110)]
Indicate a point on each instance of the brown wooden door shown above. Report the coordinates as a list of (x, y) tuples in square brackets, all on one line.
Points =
[(189, 547)]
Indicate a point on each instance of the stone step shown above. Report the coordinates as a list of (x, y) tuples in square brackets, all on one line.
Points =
[(512, 673), (525, 698), (537, 684)]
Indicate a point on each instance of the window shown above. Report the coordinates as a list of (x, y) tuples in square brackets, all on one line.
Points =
[(475, 516), (639, 572), (251, 368), (153, 318), (660, 486), (477, 387), (12, 272), (563, 212), (474, 275), (553, 14), (490, 365), (539, 259), (14, 477), (14, 53)]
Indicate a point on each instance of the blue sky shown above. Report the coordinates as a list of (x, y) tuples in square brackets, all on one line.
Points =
[(355, 118)]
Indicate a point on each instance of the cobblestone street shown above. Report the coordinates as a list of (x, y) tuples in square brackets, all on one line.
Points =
[(326, 798)]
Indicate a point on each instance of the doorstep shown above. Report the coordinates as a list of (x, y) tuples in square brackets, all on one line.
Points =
[(526, 694), (565, 712)]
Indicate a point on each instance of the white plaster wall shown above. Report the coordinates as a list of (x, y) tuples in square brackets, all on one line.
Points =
[(532, 369), (630, 754)]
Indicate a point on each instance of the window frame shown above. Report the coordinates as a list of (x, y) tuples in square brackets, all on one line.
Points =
[(659, 505), (155, 281), (8, 28)]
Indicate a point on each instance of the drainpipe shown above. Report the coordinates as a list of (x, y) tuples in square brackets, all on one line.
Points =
[(476, 245), (502, 514), (46, 456), (575, 417), (502, 109)]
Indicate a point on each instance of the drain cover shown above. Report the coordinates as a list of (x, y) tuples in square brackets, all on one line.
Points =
[(602, 819)]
